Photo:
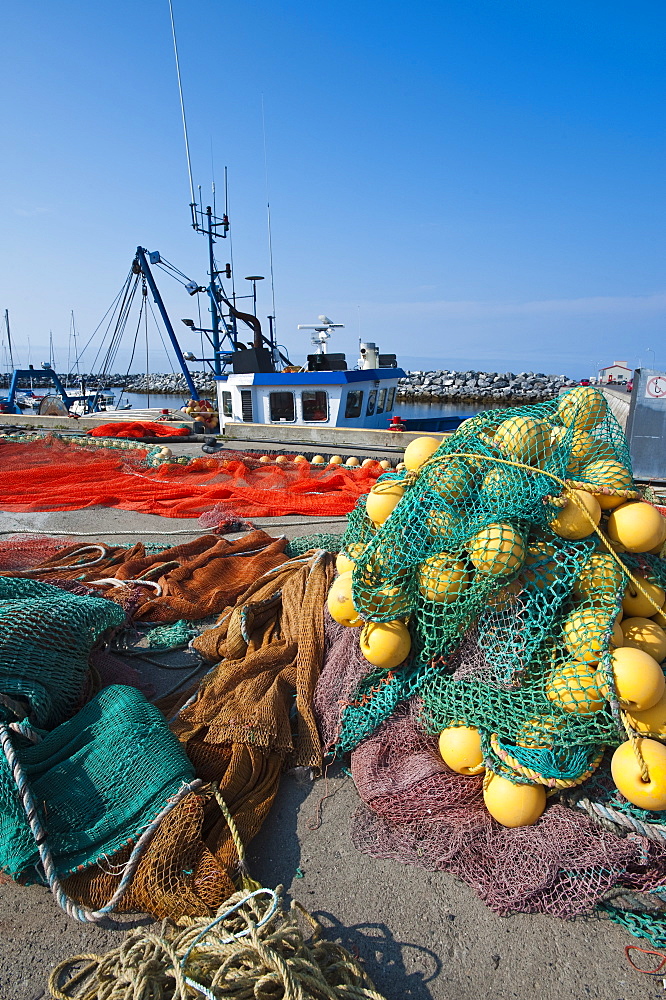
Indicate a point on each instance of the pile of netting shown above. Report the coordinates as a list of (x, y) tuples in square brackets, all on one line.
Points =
[(54, 474), (495, 558), (139, 429)]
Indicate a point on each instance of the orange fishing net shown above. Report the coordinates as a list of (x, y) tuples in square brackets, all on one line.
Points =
[(139, 429), (51, 474)]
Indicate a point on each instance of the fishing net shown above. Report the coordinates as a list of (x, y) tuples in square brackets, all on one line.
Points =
[(511, 624), (54, 474), (298, 546), (46, 637), (139, 429), (92, 799)]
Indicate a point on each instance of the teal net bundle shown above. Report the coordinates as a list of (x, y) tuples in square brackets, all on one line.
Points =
[(46, 637), (98, 780), (500, 608)]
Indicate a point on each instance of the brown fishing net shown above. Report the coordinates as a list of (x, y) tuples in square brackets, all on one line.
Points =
[(252, 717), (197, 579)]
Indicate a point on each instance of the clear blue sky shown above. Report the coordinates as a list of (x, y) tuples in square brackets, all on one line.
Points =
[(473, 184)]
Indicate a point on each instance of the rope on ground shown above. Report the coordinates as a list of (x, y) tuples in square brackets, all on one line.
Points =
[(611, 819), (253, 948)]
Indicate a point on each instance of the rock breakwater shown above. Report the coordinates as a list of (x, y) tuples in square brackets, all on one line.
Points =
[(475, 386)]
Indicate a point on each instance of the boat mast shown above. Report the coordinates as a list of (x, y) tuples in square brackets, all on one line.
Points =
[(9, 338)]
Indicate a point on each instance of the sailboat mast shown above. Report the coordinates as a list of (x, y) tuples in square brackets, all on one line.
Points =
[(9, 338)]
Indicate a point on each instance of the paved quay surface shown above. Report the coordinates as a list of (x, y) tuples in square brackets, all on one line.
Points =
[(422, 935)]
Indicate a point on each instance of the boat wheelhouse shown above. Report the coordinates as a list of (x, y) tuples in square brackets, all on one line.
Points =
[(358, 399)]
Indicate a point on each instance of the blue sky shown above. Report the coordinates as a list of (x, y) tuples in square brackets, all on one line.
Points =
[(469, 184)]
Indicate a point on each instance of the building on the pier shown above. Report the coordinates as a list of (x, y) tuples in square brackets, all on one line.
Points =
[(617, 372)]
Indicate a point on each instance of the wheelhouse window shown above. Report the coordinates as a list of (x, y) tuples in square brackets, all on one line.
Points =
[(227, 409), (354, 403), (372, 399), (246, 405), (282, 406), (381, 399), (315, 404), (391, 400)]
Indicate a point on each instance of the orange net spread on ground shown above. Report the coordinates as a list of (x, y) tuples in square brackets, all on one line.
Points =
[(139, 429), (51, 474)]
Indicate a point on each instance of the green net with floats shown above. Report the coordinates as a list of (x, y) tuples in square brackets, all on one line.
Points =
[(511, 624)]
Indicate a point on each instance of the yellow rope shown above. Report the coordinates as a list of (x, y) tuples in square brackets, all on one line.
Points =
[(635, 739), (528, 772)]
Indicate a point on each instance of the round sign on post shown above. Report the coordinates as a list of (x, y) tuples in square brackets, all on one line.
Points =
[(655, 387)]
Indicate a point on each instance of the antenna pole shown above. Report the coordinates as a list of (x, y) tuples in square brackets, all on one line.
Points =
[(182, 112), (217, 365), (268, 219)]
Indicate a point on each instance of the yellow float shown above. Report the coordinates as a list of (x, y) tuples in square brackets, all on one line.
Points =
[(540, 569), (367, 462), (652, 720), (454, 480), (513, 805), (610, 474), (385, 464), (582, 408), (524, 439), (626, 772), (300, 459), (639, 680), (645, 634), (636, 605), (443, 579), (460, 749), (497, 549), (637, 526), (578, 518), (352, 461), (600, 578), (574, 688), (340, 603), (382, 499), (583, 633), (343, 563), (265, 459), (419, 451), (318, 460), (385, 644), (335, 460)]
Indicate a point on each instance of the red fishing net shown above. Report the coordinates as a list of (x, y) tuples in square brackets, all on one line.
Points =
[(139, 429), (51, 474)]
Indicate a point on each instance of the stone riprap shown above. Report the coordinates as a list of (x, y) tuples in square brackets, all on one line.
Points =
[(475, 386), (166, 384)]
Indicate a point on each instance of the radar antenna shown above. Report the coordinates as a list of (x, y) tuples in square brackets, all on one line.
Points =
[(321, 332)]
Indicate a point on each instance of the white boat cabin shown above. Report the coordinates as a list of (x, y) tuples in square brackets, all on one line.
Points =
[(332, 398)]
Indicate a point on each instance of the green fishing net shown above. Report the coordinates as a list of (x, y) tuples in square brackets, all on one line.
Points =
[(46, 635), (298, 546), (98, 780), (511, 624)]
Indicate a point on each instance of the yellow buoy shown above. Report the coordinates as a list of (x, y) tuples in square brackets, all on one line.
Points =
[(460, 749), (385, 644), (639, 680), (600, 577), (281, 459), (610, 474), (645, 634), (443, 579), (524, 439), (388, 600), (659, 618), (574, 688), (340, 603), (385, 464), (583, 633), (419, 451), (300, 459), (367, 462), (335, 460), (513, 805), (400, 467), (382, 500), (352, 461), (637, 526), (652, 720), (442, 522), (626, 771), (454, 479), (539, 732), (582, 407), (497, 549), (265, 459), (343, 563), (318, 460), (586, 448), (579, 518)]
